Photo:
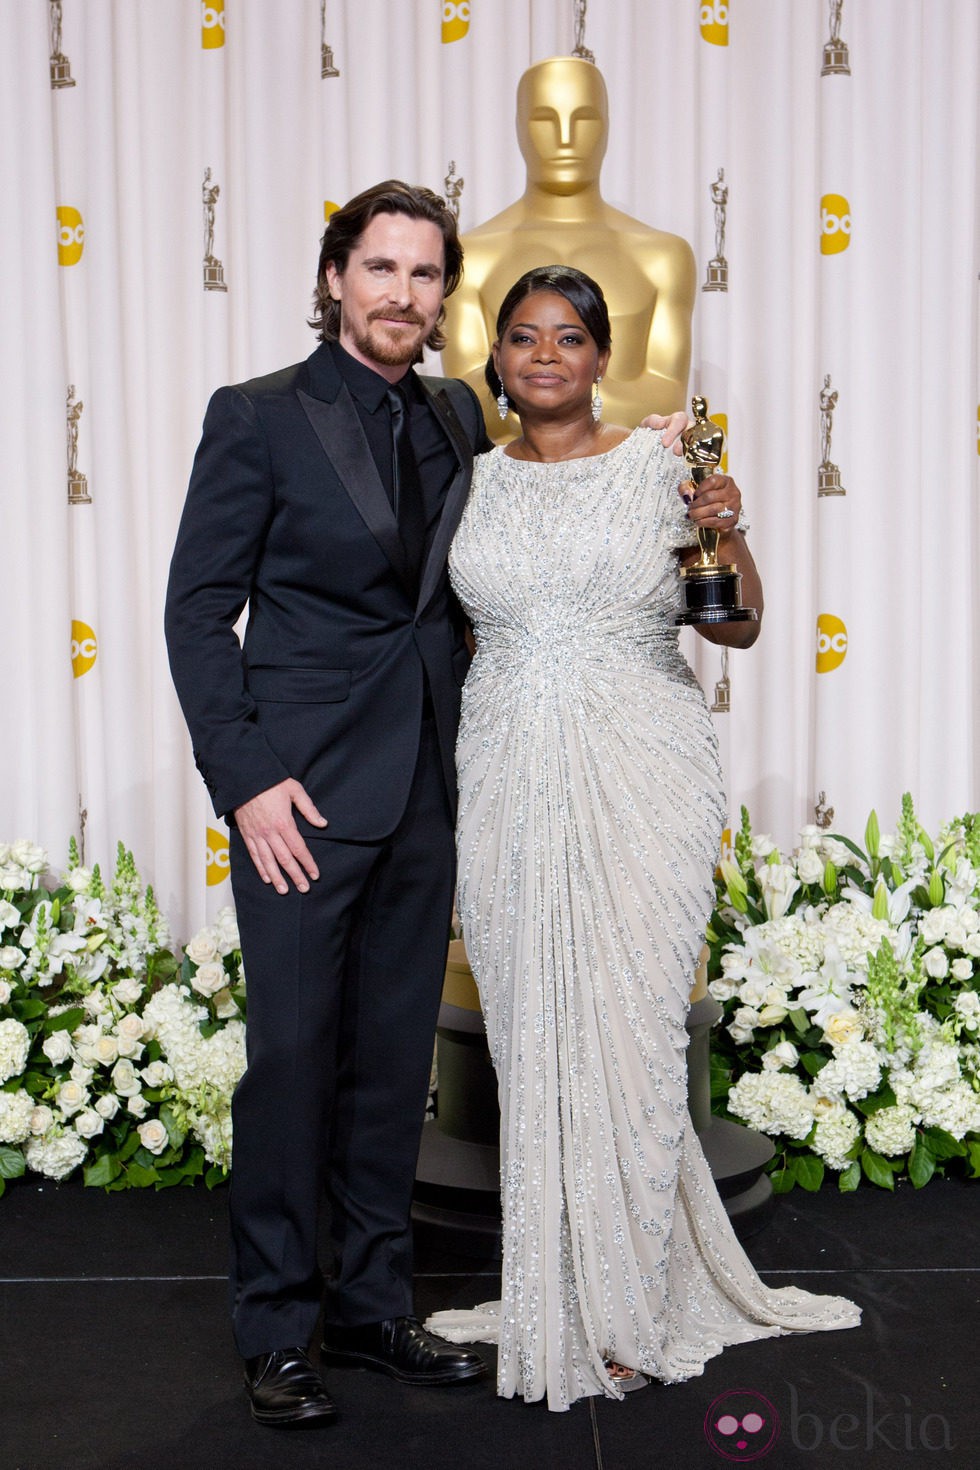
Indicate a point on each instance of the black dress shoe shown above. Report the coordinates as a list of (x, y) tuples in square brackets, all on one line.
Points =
[(286, 1391), (401, 1347)]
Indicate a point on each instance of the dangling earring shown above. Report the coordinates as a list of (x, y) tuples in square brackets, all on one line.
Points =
[(503, 402), (597, 401)]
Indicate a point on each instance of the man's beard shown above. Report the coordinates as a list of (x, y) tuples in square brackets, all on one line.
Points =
[(380, 346)]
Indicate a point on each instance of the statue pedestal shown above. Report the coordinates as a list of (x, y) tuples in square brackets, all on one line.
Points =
[(456, 1199)]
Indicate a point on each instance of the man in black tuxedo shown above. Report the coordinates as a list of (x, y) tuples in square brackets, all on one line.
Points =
[(327, 503)]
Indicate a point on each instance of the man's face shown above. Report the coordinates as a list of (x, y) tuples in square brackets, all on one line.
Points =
[(390, 292)]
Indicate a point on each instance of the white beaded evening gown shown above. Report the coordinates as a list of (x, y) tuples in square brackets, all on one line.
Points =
[(590, 816)]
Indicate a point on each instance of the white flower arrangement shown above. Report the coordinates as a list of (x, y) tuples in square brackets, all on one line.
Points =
[(850, 985), (116, 1057)]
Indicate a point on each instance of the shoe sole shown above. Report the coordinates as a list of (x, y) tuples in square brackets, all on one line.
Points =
[(293, 1418), (421, 1380)]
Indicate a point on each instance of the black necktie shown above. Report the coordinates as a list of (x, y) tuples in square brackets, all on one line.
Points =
[(407, 487)]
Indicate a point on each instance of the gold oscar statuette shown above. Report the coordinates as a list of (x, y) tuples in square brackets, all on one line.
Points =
[(711, 592)]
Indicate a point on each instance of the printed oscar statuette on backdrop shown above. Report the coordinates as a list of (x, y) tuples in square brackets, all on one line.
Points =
[(836, 59), (327, 68), (711, 592)]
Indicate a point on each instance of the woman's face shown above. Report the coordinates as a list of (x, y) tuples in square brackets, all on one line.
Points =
[(547, 357)]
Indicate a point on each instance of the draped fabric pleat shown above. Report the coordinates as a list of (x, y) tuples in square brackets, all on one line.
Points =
[(163, 189)]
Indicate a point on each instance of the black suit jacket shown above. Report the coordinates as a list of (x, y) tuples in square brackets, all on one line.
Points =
[(286, 512)]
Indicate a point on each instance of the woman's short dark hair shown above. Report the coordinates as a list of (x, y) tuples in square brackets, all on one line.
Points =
[(345, 228), (578, 289)]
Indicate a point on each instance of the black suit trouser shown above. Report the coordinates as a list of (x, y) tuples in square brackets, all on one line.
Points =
[(343, 987)]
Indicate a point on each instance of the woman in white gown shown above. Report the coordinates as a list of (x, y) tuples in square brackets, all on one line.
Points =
[(591, 811)]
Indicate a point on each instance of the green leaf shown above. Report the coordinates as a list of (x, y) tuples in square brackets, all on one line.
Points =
[(140, 1176), (809, 1171), (101, 1174), (878, 1169), (872, 835), (942, 1145), (12, 1164), (215, 1176), (814, 1062), (30, 1008), (800, 1021), (850, 1178), (922, 1165), (782, 1180), (883, 1098), (973, 1152), (66, 1021)]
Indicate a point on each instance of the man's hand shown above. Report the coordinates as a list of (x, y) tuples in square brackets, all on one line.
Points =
[(672, 426), (273, 839)]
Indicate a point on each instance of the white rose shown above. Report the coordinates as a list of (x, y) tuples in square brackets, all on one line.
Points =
[(203, 947), (936, 964), (809, 866), (10, 915), (89, 1124), (106, 1051), (57, 1047), (783, 1054), (962, 969), (11, 958), (128, 991), (753, 991), (107, 1106), (762, 846), (210, 978), (124, 1078), (932, 925), (15, 1043), (972, 945), (137, 1106), (130, 1028), (153, 1135), (41, 1119), (5, 992), (71, 1096), (157, 1073), (843, 1026), (771, 1015), (25, 854), (129, 1048), (79, 879), (226, 1007)]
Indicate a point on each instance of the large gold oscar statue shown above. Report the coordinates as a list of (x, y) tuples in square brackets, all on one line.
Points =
[(647, 275)]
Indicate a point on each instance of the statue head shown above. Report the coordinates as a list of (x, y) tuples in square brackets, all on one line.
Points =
[(562, 123)]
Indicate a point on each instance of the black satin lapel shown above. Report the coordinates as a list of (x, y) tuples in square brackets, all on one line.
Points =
[(339, 431), (452, 508)]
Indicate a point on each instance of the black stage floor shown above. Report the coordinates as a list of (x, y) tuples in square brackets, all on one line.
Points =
[(115, 1353)]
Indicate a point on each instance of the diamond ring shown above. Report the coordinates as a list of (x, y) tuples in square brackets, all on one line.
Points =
[(726, 514)]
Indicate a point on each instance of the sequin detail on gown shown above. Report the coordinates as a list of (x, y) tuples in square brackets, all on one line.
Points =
[(591, 811)]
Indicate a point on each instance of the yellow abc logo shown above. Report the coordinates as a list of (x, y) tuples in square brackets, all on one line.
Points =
[(84, 648), (217, 860), (455, 20), (721, 419), (831, 643), (835, 224), (714, 22), (329, 208), (71, 235), (212, 24)]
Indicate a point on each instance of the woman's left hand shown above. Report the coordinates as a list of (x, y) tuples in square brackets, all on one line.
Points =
[(715, 504)]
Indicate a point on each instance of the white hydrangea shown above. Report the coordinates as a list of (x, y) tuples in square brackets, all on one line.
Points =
[(853, 1071), (16, 1112), (55, 1154), (891, 1131), (834, 1136), (15, 1043), (772, 1102)]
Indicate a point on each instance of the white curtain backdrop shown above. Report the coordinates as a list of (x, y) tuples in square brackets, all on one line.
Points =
[(851, 246)]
